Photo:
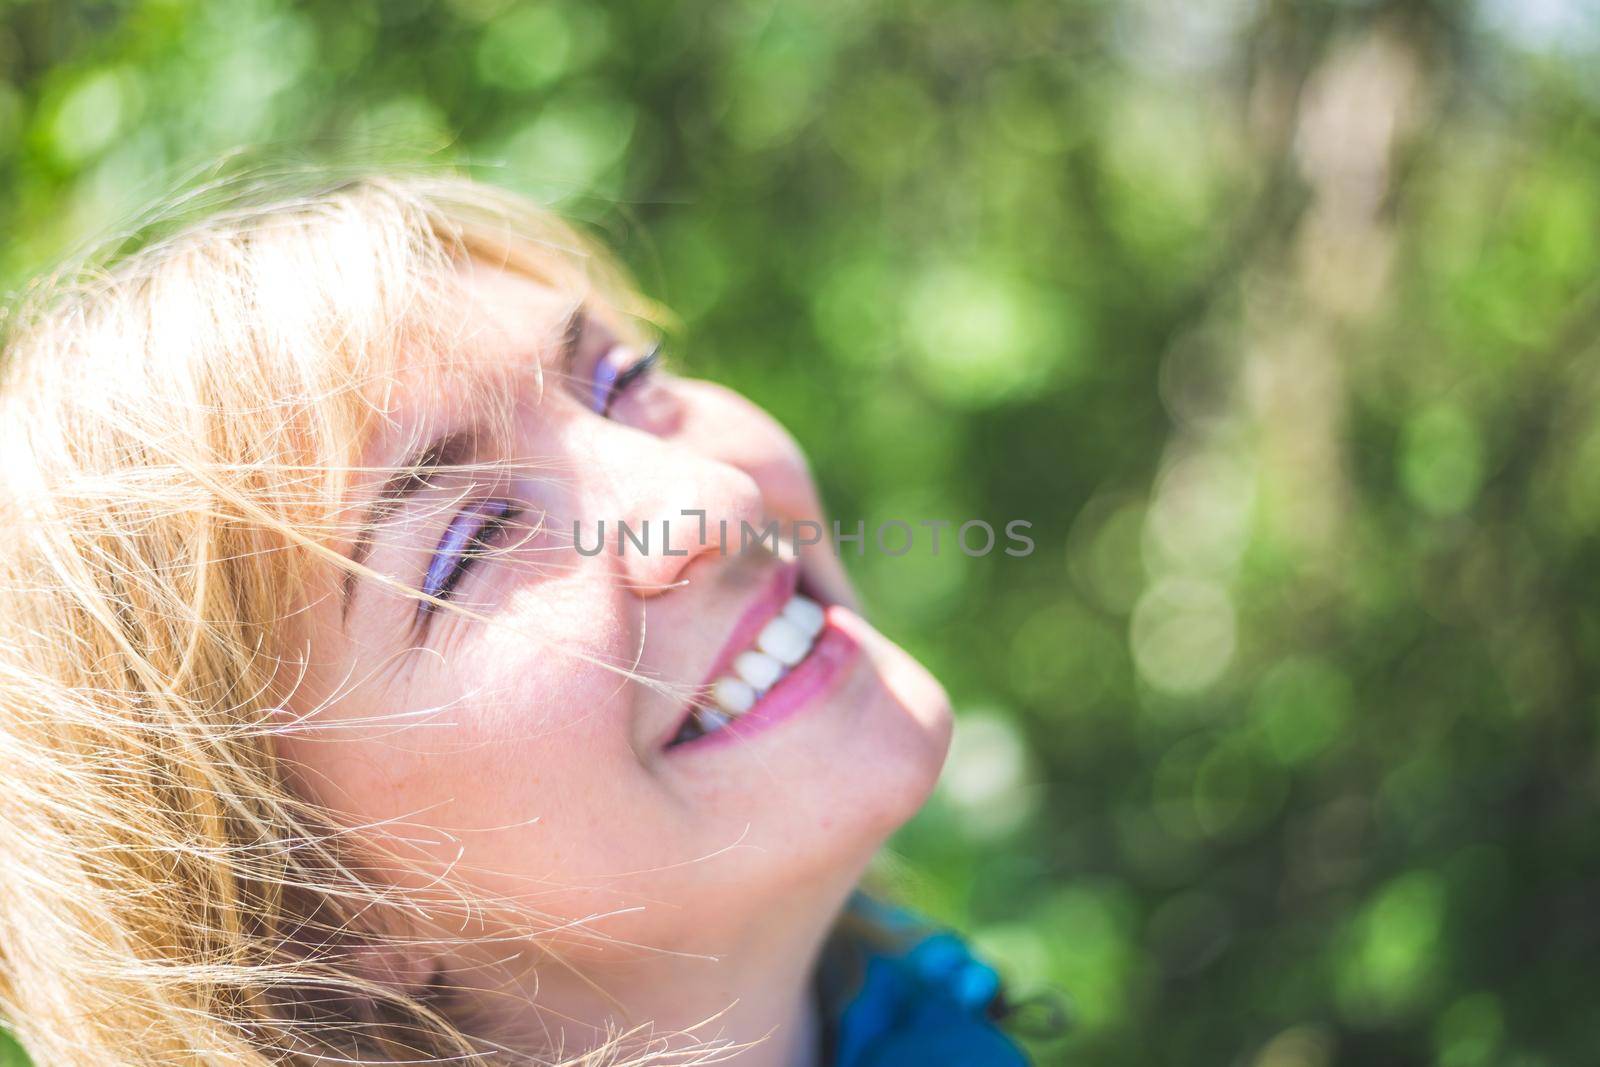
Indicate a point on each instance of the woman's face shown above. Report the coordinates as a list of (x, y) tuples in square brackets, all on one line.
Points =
[(508, 751)]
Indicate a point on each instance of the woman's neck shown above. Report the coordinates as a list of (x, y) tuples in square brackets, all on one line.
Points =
[(757, 993)]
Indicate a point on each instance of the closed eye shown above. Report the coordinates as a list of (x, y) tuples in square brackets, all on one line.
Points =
[(603, 367), (635, 371), (471, 533)]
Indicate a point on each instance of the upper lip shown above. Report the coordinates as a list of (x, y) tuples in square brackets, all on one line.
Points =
[(780, 586)]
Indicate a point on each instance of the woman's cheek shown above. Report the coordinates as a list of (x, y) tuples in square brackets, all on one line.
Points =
[(545, 668), (535, 764), (527, 694)]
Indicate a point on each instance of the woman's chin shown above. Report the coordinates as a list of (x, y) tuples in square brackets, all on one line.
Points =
[(839, 774), (918, 694), (899, 727)]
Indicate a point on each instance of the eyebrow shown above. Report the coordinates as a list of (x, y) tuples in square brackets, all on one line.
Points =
[(571, 337), (456, 448)]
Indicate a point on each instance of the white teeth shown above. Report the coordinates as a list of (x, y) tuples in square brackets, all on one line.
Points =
[(757, 668), (733, 696), (804, 613), (784, 641)]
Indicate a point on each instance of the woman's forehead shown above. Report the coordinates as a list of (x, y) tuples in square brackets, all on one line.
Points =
[(507, 326)]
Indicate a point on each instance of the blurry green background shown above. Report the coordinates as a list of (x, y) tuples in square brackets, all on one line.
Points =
[(1277, 320)]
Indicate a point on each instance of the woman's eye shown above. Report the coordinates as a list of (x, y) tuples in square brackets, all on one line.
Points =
[(471, 533), (615, 372)]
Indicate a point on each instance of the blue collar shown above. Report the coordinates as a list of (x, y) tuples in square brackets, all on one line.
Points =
[(924, 1002)]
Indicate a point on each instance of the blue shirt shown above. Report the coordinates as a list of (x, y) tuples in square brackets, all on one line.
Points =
[(924, 1002)]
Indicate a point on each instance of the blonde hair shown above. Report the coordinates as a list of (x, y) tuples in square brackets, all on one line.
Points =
[(176, 428)]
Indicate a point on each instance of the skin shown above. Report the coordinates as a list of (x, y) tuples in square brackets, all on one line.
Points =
[(681, 885)]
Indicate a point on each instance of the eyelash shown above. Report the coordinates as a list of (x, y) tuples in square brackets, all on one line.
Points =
[(625, 380), (480, 542)]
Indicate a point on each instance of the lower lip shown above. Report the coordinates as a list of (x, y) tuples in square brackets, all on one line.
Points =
[(804, 685)]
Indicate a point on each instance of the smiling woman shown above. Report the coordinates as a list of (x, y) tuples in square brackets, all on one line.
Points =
[(325, 743)]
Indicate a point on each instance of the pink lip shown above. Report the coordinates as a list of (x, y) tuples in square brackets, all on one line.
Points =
[(785, 580), (782, 585), (830, 653), (830, 656)]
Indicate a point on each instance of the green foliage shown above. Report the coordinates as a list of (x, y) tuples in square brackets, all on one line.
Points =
[(1277, 322)]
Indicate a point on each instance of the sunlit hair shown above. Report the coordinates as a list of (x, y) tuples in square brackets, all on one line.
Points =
[(179, 422)]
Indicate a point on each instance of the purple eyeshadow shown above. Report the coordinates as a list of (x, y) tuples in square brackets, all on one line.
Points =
[(605, 379), (451, 554)]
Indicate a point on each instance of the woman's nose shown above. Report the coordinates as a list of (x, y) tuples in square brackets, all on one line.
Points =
[(656, 508)]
